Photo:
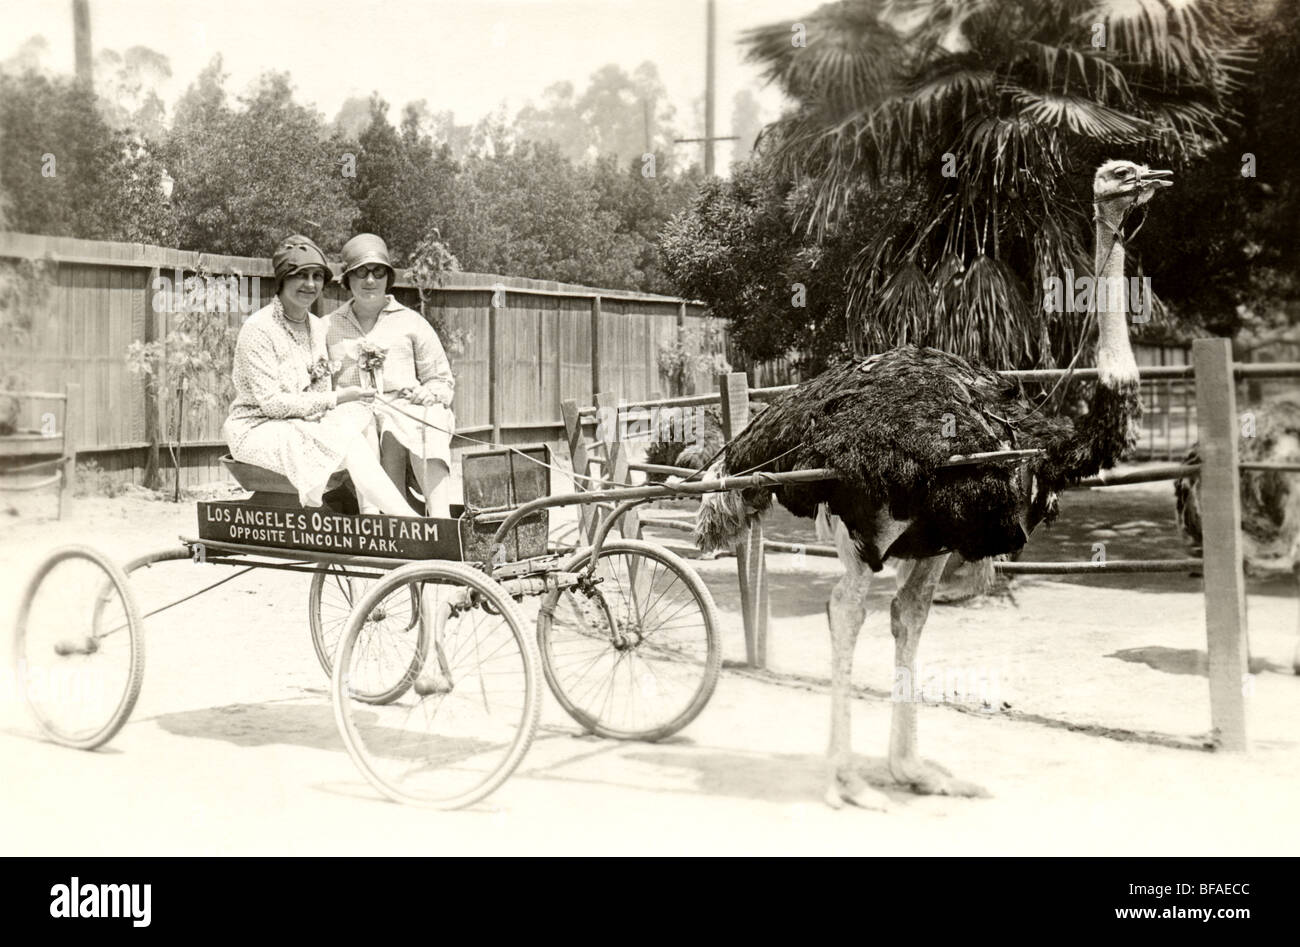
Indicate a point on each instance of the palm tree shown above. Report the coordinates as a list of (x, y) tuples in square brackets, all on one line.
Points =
[(994, 113)]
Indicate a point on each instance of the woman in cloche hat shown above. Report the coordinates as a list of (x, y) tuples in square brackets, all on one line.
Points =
[(414, 415), (285, 417)]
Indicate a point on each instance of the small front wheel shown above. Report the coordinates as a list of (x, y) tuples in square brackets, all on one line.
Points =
[(79, 647), (466, 721), (394, 640), (632, 653)]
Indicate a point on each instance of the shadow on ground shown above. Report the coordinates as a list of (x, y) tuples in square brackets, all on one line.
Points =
[(268, 724), (1187, 660)]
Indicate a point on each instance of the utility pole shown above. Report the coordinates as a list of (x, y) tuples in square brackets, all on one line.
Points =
[(710, 79), (81, 35), (709, 83)]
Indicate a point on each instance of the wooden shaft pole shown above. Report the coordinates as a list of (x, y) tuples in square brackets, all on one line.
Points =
[(71, 402), (751, 562)]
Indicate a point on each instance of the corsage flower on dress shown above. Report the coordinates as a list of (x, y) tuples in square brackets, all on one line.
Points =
[(323, 368), (370, 361)]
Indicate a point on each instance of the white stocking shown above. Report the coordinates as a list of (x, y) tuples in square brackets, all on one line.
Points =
[(374, 489), (435, 482)]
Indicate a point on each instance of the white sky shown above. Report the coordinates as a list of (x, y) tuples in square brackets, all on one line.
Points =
[(467, 56)]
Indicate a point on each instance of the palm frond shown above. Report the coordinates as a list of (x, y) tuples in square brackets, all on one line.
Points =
[(850, 53), (1079, 116)]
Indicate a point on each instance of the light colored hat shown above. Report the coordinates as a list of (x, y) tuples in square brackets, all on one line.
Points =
[(363, 249)]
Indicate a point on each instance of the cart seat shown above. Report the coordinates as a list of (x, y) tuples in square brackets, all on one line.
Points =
[(260, 480)]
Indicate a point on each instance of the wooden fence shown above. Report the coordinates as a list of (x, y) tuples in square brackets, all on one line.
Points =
[(529, 345)]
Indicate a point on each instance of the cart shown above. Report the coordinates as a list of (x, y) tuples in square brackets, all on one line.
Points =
[(435, 634)]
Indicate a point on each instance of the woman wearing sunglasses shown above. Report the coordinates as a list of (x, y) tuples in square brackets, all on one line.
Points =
[(285, 417), (414, 412)]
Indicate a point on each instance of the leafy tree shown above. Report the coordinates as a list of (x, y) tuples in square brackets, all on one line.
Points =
[(558, 121), (617, 114), (403, 182), (1228, 259), (28, 57), (738, 248), (67, 173), (643, 198), (127, 84), (246, 177), (629, 115), (353, 118), (528, 211), (1027, 106)]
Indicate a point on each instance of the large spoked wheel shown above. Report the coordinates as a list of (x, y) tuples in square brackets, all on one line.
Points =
[(393, 643), (467, 720), (632, 654), (79, 648)]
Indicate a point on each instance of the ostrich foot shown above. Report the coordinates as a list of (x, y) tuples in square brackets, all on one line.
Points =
[(847, 785), (931, 779)]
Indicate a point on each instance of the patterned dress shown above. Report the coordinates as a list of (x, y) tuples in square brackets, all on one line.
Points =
[(284, 418), (414, 358)]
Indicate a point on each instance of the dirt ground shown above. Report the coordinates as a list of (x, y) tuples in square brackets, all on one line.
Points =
[(1080, 703)]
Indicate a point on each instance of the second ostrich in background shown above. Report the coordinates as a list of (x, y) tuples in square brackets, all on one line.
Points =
[(1270, 499), (887, 425)]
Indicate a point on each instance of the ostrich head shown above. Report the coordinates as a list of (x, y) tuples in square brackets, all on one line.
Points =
[(1119, 185)]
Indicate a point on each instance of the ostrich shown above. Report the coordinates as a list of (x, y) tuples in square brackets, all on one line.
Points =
[(1270, 499), (885, 425), (961, 582)]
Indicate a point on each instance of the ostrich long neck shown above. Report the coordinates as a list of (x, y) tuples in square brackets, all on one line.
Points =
[(1115, 363), (1109, 430)]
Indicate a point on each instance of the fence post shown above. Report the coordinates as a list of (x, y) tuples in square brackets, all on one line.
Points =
[(494, 366), (71, 395), (616, 473), (1225, 584), (578, 458), (152, 419), (750, 558), (595, 345)]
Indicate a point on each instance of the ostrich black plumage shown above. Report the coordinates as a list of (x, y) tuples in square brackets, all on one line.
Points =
[(886, 425)]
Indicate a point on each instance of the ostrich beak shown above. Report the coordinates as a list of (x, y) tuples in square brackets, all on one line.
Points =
[(1151, 177)]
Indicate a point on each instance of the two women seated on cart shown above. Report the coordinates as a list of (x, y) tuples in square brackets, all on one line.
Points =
[(302, 407)]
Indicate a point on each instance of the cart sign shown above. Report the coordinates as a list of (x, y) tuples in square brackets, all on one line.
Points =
[(391, 537)]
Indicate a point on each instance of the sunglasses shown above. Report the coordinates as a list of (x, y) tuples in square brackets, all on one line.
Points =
[(375, 272)]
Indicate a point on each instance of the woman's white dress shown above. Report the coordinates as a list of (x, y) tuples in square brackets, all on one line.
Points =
[(414, 359), (283, 418)]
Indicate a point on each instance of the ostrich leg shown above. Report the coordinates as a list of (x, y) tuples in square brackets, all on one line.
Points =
[(845, 612), (911, 607)]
